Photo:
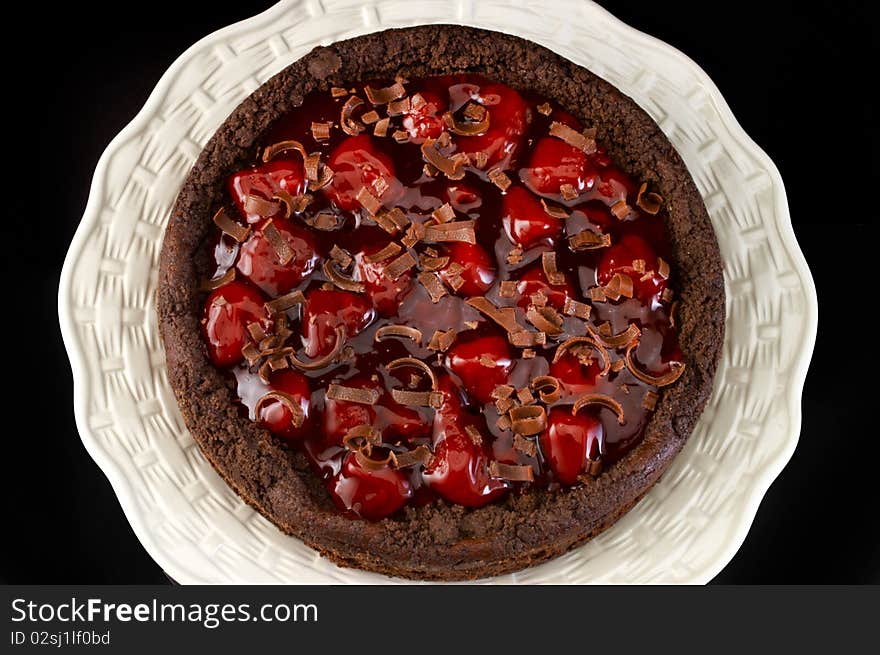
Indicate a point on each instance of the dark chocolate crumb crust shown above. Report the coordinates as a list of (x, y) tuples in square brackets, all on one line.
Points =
[(438, 541)]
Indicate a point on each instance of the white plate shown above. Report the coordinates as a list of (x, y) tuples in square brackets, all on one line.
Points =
[(684, 531)]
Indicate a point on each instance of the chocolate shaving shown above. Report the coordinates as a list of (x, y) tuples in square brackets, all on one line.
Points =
[(617, 365), (285, 302), (620, 210), (475, 127), (662, 268), (321, 131), (433, 285), (353, 394), (419, 456), (418, 398), (272, 151), (326, 220), (368, 201), (339, 279), (338, 92), (525, 396), (507, 289), (544, 108), (499, 179), (587, 240), (385, 94), (638, 265), (362, 436), (297, 416), (487, 361), (381, 255), (554, 210), (454, 231), (515, 256), (414, 233), (528, 419), (311, 165), (321, 362), (599, 399), (502, 423), (251, 353), (503, 316), (479, 159), (429, 170), (549, 388), (398, 331), (503, 405), (511, 472), (256, 331), (367, 462), (474, 434), (553, 275), (525, 446), (370, 117), (619, 340), (417, 101), (572, 137), (442, 340), (381, 127), (399, 107), (577, 309), (597, 294), (444, 214), (341, 256), (620, 285), (293, 204), (230, 227), (400, 265), (400, 136), (528, 353), (545, 319), (589, 341), (451, 167), (502, 391), (401, 362), (475, 111), (568, 191), (260, 206), (667, 295), (675, 370), (348, 124), (279, 244), (649, 402), (526, 339), (429, 263), (648, 201)]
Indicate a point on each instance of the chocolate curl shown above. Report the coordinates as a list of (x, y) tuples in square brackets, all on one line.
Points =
[(272, 151), (573, 138), (296, 412), (353, 394), (321, 362), (587, 341), (216, 283), (676, 369), (599, 399), (475, 127), (419, 456), (528, 419), (511, 472), (384, 95), (648, 201), (230, 227), (630, 334), (348, 124), (279, 244)]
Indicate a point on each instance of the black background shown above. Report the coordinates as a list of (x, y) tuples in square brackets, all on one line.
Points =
[(796, 75)]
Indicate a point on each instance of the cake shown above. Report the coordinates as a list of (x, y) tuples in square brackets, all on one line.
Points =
[(440, 303)]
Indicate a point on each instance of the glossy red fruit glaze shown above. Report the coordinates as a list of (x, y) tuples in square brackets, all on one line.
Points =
[(508, 121), (228, 311), (553, 163), (462, 197), (525, 221), (265, 181), (370, 494), (275, 416), (575, 377), (356, 163), (258, 261), (481, 364), (619, 258), (479, 271), (597, 213), (459, 471), (340, 416), (325, 310), (385, 294), (569, 441), (615, 185), (427, 119), (534, 281)]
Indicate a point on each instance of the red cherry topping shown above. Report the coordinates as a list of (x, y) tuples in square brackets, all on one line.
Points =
[(576, 378), (508, 120), (259, 262), (340, 416), (568, 441), (370, 494), (554, 163), (386, 294), (274, 414), (228, 311), (482, 364), (265, 181), (479, 269), (534, 281), (357, 163), (462, 197), (615, 185), (426, 120), (324, 311), (619, 258), (459, 471), (525, 221)]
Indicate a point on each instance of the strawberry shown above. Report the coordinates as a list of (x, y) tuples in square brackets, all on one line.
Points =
[(368, 493), (259, 262), (568, 441), (482, 364), (275, 416), (479, 269), (534, 281), (386, 294), (324, 311), (525, 221), (553, 163), (459, 471), (619, 258), (228, 311), (265, 181), (357, 163)]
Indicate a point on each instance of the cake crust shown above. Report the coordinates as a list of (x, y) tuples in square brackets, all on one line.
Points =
[(439, 541)]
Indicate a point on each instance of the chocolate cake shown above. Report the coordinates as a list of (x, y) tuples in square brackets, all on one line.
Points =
[(440, 303)]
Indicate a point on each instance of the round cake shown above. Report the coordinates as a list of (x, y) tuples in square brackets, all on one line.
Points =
[(440, 303)]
